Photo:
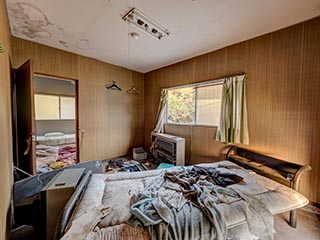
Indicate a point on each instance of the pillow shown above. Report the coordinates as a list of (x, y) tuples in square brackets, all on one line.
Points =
[(54, 134)]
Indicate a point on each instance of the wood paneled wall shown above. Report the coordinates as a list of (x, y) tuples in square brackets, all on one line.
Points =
[(6, 176), (195, 150), (283, 85), (113, 121)]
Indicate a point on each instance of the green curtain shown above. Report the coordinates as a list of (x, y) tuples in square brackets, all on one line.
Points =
[(233, 127), (162, 112)]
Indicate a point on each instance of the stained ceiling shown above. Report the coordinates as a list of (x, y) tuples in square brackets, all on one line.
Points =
[(95, 28)]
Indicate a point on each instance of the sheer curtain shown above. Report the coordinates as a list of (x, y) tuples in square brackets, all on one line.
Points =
[(162, 112), (233, 127)]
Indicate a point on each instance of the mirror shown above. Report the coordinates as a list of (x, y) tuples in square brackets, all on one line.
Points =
[(56, 122)]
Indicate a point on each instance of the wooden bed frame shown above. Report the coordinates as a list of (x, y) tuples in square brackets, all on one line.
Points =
[(286, 173)]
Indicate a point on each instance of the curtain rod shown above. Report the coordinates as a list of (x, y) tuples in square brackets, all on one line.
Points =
[(205, 83)]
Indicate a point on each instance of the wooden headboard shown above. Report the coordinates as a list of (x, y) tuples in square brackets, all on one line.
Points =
[(286, 173)]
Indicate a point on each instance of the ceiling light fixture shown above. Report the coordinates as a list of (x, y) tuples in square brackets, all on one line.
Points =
[(145, 23)]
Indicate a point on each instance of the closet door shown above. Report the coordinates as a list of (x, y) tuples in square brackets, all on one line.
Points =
[(26, 130)]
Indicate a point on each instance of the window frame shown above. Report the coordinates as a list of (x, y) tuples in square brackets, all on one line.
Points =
[(59, 107), (196, 86), (65, 96)]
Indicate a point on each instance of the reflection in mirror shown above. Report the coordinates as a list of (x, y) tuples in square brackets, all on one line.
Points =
[(55, 116)]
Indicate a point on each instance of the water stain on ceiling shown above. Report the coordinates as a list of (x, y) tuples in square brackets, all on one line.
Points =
[(30, 21)]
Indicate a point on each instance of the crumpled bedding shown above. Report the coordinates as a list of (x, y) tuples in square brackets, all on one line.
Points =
[(169, 216), (52, 157), (46, 154), (116, 191), (68, 154), (82, 226)]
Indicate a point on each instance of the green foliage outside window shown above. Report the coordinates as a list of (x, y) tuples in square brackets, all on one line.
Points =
[(182, 101), (1, 48), (181, 104)]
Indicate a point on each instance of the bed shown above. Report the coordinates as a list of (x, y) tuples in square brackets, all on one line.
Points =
[(55, 139), (51, 157), (55, 150), (135, 206)]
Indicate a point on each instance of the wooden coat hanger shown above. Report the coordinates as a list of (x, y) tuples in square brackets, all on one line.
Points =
[(133, 90), (113, 86)]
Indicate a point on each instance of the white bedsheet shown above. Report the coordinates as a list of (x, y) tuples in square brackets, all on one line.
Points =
[(57, 140), (115, 191)]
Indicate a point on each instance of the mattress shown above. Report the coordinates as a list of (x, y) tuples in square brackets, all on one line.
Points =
[(57, 140), (114, 191)]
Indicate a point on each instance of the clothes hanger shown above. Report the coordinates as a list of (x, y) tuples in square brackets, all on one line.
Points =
[(133, 90), (113, 86)]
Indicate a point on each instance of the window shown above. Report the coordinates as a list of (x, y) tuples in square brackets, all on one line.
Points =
[(52, 107), (209, 105), (196, 104), (67, 108), (181, 103), (46, 107)]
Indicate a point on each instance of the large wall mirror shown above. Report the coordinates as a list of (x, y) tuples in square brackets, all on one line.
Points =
[(56, 122)]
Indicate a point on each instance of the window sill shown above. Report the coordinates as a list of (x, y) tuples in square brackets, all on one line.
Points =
[(193, 125)]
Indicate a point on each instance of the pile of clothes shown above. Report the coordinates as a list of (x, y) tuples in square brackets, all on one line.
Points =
[(122, 165)]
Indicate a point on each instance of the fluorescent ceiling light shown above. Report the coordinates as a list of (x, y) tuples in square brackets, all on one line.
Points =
[(145, 23)]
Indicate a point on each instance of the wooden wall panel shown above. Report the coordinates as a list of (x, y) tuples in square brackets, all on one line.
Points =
[(236, 59), (200, 143), (286, 55), (6, 155), (152, 95), (310, 103), (201, 68), (187, 71), (259, 69), (46, 60), (218, 63), (282, 86), (113, 122), (204, 147), (137, 110)]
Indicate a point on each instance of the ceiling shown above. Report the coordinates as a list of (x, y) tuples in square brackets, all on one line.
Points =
[(95, 28)]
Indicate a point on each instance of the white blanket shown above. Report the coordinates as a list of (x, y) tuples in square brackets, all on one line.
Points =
[(116, 190)]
